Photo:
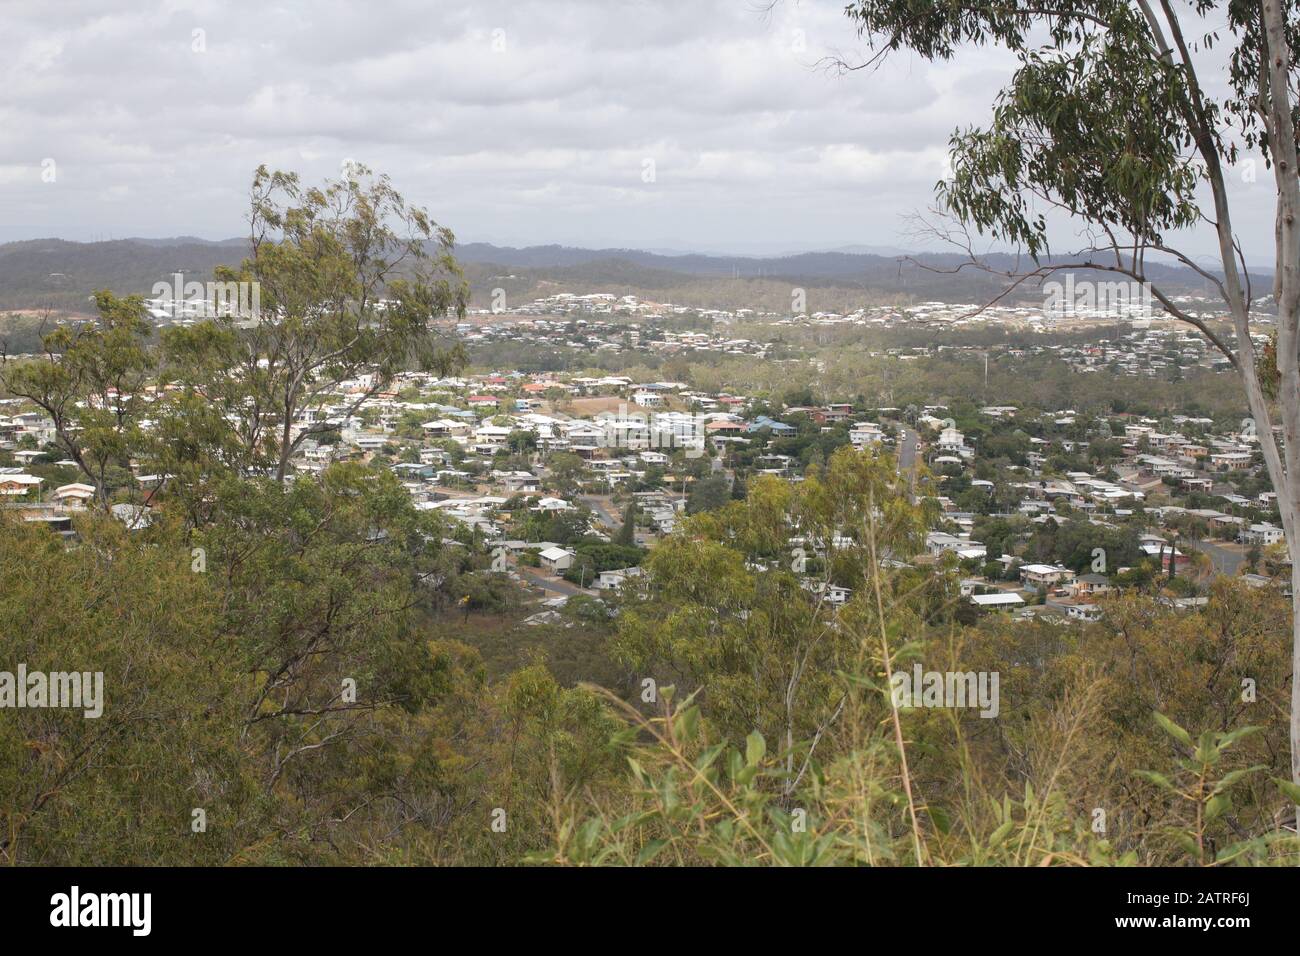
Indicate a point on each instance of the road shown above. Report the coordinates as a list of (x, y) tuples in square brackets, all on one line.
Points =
[(554, 585), (1224, 560), (907, 450), (603, 507)]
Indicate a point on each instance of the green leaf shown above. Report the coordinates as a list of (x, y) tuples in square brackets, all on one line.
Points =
[(1290, 790), (1188, 843), (1182, 736), (688, 722), (1228, 779), (734, 764), (942, 822), (637, 770), (650, 851), (1001, 833), (1159, 779), (1229, 853), (755, 748), (1228, 739), (1217, 806), (709, 756)]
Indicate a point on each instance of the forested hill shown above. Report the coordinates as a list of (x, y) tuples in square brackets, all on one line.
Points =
[(60, 274)]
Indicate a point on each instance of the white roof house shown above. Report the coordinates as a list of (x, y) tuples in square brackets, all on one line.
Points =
[(75, 493), (552, 504), (557, 559), (445, 426), (18, 484), (1042, 574), (608, 580), (1263, 534)]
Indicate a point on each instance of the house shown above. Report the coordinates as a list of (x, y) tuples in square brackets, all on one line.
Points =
[(134, 517), (557, 559), (937, 542), (833, 594), (837, 595), (865, 433), (551, 505), (445, 428), (492, 436), (724, 427), (369, 442), (1074, 609), (517, 481), (1044, 575), (611, 580), (773, 464), (58, 523), (1264, 534), (838, 412), (1092, 584), (1164, 553), (1001, 600), (953, 442), (16, 485), (1230, 460), (75, 495), (648, 399), (778, 429)]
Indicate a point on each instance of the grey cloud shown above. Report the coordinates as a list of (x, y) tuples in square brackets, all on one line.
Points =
[(513, 121)]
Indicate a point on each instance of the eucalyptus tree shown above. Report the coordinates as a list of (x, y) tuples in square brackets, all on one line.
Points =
[(93, 380), (351, 281), (1128, 117), (765, 604)]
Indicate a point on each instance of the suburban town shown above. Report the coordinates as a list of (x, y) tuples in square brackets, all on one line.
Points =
[(542, 470), (504, 436)]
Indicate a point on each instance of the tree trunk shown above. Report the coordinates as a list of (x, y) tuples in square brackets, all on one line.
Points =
[(282, 467), (1282, 144)]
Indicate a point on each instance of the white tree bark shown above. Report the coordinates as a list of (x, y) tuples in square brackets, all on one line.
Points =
[(1286, 480)]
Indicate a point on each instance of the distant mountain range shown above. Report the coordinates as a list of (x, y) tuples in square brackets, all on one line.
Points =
[(62, 275), (822, 265)]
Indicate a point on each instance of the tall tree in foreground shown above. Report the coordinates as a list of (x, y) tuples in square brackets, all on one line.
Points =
[(1121, 116), (351, 280)]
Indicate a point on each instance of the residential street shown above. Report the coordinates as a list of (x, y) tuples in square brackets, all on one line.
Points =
[(553, 585)]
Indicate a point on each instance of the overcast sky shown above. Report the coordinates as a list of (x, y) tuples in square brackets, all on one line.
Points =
[(522, 122)]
